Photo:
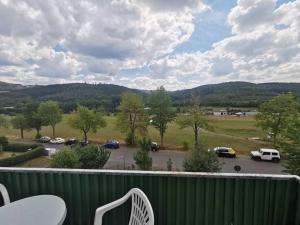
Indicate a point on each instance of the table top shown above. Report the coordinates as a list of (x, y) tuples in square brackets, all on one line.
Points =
[(36, 210)]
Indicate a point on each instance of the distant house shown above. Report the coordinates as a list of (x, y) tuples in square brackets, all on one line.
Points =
[(240, 114), (251, 113), (8, 107), (220, 113)]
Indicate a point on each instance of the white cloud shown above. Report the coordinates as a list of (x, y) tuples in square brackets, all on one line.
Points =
[(264, 47), (71, 41), (102, 37)]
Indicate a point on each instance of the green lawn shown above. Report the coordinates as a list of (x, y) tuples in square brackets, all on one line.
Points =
[(6, 154), (228, 131)]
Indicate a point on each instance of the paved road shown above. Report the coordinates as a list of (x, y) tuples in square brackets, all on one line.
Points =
[(159, 159), (123, 158)]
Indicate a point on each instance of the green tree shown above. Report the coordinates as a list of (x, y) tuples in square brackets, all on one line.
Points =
[(275, 115), (19, 122), (3, 121), (291, 146), (142, 158), (65, 158), (201, 160), (195, 118), (92, 157), (3, 142), (33, 118), (161, 111), (132, 116), (86, 120), (50, 114)]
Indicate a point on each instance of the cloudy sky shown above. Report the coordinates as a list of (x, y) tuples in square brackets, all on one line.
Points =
[(147, 43)]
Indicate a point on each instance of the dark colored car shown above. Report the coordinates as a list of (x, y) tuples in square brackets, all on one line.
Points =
[(44, 139), (83, 143), (154, 147), (71, 142), (112, 144)]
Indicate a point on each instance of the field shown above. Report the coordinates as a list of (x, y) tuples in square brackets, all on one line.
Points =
[(230, 131)]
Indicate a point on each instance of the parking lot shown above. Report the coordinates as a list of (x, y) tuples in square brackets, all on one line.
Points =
[(123, 158)]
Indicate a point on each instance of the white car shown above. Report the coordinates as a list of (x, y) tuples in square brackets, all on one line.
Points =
[(266, 154), (50, 151), (57, 141)]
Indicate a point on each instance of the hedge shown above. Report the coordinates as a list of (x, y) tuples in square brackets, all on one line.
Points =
[(20, 147), (13, 160)]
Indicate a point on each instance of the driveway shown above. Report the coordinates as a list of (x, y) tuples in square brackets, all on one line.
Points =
[(123, 158)]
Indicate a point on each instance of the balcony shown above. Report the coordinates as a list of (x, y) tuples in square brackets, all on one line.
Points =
[(177, 198)]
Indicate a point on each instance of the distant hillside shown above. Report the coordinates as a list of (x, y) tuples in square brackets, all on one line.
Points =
[(68, 95), (107, 96), (4, 87), (236, 94)]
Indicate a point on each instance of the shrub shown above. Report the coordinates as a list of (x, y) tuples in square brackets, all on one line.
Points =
[(16, 159), (3, 142), (185, 145), (142, 158), (200, 160), (65, 158), (130, 139), (169, 164), (92, 157), (102, 157), (20, 147)]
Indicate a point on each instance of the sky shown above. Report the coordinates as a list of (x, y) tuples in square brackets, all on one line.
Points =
[(148, 43)]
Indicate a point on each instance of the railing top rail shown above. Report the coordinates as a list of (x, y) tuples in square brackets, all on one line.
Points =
[(151, 173)]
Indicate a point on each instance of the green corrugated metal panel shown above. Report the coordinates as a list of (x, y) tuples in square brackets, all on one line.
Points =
[(177, 199)]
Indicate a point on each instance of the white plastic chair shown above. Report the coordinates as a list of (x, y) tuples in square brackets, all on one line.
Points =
[(141, 210), (4, 193)]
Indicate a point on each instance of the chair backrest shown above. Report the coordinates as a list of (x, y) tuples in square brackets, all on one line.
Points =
[(4, 193), (141, 209)]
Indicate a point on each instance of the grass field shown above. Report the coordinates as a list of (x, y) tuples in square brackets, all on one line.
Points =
[(228, 131)]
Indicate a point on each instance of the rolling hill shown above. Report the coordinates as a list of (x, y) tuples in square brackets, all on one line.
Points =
[(107, 96)]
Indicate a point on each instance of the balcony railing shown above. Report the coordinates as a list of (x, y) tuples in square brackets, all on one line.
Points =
[(177, 198)]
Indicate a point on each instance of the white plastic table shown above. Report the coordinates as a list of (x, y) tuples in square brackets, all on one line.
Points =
[(36, 210)]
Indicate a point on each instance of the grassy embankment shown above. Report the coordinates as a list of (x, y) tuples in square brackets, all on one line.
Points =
[(228, 131)]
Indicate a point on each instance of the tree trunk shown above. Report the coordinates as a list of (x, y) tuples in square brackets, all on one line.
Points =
[(37, 132), (85, 136), (196, 136), (53, 131), (161, 139), (22, 133)]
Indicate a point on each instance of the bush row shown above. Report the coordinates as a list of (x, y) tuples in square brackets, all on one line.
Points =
[(20, 147), (13, 160)]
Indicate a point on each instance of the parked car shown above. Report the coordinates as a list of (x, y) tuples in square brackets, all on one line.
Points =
[(57, 141), (225, 152), (154, 147), (50, 151), (112, 144), (71, 142), (44, 139), (266, 154), (83, 143)]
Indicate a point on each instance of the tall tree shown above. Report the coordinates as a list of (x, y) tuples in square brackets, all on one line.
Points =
[(194, 118), (3, 121), (141, 157), (132, 116), (50, 114), (161, 111), (86, 120), (275, 115), (291, 146), (19, 122), (33, 118)]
